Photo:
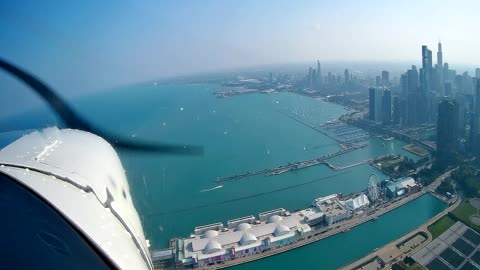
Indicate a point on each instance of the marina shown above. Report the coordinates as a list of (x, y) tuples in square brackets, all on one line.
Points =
[(343, 133)]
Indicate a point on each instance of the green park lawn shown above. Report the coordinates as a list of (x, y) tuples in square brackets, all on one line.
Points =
[(439, 227), (463, 213)]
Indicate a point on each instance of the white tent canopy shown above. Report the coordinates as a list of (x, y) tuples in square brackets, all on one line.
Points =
[(357, 202)]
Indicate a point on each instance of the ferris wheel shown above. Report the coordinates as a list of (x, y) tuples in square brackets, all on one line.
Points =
[(373, 188)]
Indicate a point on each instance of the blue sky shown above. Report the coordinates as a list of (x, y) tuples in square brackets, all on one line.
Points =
[(80, 45)]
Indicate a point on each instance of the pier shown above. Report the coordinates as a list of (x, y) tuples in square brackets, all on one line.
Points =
[(336, 168), (296, 166), (345, 148), (301, 165), (319, 233)]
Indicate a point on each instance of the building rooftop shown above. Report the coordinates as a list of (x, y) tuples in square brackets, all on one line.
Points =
[(244, 235), (403, 183), (332, 207)]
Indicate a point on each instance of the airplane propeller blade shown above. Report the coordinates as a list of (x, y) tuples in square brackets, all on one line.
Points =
[(73, 120)]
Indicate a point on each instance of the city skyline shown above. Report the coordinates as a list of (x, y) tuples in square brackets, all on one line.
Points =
[(121, 38)]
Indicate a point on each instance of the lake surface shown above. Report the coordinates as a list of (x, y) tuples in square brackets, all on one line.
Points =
[(174, 194)]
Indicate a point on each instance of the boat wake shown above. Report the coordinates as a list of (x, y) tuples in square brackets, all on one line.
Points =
[(210, 189)]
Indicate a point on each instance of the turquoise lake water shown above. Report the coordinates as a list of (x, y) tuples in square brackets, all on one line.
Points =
[(173, 194)]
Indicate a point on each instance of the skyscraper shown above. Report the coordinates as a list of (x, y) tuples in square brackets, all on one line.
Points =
[(330, 78), (403, 85), (447, 136), (446, 73), (477, 73), (412, 98), (310, 77), (412, 79), (462, 110), (439, 74), (439, 70), (458, 83), (475, 123), (424, 101), (467, 84), (378, 105), (347, 75), (385, 78), (315, 79), (396, 110), (386, 107), (319, 73), (448, 89), (426, 75), (440, 55), (371, 103)]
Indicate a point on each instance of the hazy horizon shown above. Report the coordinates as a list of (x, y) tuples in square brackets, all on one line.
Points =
[(88, 45)]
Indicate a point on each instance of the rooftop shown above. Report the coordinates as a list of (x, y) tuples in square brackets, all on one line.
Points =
[(332, 207), (244, 235)]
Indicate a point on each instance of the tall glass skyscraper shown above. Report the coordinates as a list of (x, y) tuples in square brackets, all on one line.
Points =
[(447, 132), (426, 69)]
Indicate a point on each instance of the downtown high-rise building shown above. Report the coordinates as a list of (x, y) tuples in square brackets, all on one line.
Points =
[(400, 108), (385, 78), (426, 72), (378, 105), (477, 73), (319, 74), (446, 73), (475, 122), (386, 107), (447, 132), (467, 83), (312, 79), (396, 110), (371, 103), (424, 100), (448, 89), (440, 55), (412, 109), (439, 73), (346, 74), (403, 85)]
